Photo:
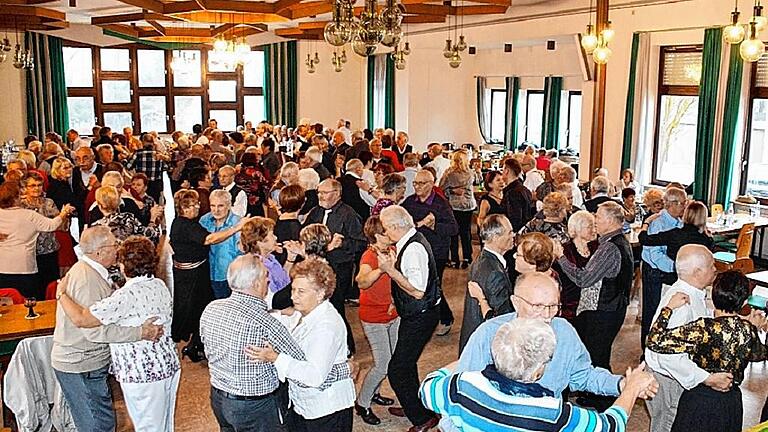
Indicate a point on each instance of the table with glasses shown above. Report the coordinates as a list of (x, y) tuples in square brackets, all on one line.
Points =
[(733, 228)]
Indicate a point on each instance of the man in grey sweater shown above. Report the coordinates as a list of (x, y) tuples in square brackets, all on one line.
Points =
[(80, 357)]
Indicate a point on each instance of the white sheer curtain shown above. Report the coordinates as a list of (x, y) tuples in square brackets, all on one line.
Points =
[(644, 112), (379, 90)]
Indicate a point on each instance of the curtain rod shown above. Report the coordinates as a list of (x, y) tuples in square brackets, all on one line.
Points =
[(526, 76)]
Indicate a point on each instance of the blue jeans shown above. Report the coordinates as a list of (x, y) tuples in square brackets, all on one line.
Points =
[(89, 399), (220, 289), (234, 415)]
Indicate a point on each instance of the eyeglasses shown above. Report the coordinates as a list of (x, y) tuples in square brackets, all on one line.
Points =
[(421, 183), (539, 308)]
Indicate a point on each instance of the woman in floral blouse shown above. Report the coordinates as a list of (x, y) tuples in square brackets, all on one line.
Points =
[(148, 372), (555, 223), (125, 224), (47, 248), (725, 343), (393, 191)]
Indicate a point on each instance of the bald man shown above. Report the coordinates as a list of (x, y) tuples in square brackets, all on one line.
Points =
[(696, 271), (239, 198)]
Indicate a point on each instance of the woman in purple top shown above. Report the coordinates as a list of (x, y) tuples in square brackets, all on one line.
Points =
[(393, 192), (258, 237)]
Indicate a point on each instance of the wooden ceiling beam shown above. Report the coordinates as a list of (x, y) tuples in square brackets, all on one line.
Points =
[(478, 10), (179, 7), (151, 5), (283, 5), (160, 29), (238, 6), (303, 10), (221, 29), (116, 19), (427, 9), (122, 29), (423, 19), (494, 2)]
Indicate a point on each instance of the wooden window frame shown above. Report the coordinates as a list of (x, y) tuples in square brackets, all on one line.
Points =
[(668, 90), (168, 91)]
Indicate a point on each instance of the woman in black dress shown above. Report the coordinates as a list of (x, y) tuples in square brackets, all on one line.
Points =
[(191, 271), (288, 227), (583, 243), (491, 202)]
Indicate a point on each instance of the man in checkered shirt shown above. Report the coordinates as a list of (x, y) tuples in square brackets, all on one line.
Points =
[(244, 393), (150, 162)]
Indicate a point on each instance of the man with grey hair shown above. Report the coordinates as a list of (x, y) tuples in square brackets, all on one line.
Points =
[(509, 391), (238, 197), (657, 267), (315, 157), (415, 294), (437, 161), (612, 266), (243, 392), (676, 372), (489, 272), (350, 189), (221, 218), (600, 189), (401, 147), (80, 356)]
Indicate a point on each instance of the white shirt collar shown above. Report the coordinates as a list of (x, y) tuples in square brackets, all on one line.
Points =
[(103, 272), (404, 239), (499, 256), (692, 291), (354, 175), (229, 187)]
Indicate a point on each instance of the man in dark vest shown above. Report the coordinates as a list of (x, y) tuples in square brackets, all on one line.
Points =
[(239, 198), (416, 294), (608, 278), (350, 191)]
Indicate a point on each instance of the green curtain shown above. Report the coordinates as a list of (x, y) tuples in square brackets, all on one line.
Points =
[(389, 93), (629, 112), (550, 133), (730, 121), (381, 67), (482, 114), (46, 88), (280, 83), (510, 112), (710, 76)]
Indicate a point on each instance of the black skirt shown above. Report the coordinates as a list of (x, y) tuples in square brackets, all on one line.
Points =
[(703, 409), (191, 294)]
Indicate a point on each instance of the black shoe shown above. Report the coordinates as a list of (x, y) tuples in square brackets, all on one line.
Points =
[(367, 415), (193, 354), (381, 400)]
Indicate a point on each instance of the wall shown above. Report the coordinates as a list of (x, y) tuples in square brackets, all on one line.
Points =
[(326, 95), (13, 110)]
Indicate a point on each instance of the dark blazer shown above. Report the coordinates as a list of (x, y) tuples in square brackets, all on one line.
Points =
[(322, 171), (492, 277), (592, 204), (400, 156), (517, 201), (350, 195), (80, 191), (345, 221), (445, 223)]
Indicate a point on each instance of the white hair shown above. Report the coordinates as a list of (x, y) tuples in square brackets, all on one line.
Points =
[(221, 194), (315, 154), (522, 347), (113, 178), (600, 184), (556, 166), (396, 217), (245, 271), (95, 238), (580, 221), (354, 164), (492, 227), (692, 257), (308, 178)]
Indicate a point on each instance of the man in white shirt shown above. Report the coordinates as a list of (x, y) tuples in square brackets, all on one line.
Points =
[(411, 164), (439, 163), (239, 198), (674, 372), (416, 294), (533, 177), (343, 126)]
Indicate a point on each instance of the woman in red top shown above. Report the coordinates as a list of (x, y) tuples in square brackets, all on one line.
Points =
[(378, 317)]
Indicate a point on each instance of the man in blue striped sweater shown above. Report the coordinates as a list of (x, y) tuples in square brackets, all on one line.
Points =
[(506, 395)]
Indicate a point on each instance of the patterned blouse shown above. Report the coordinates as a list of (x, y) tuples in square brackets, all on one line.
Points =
[(555, 231), (380, 205), (143, 361), (722, 344), (46, 241), (124, 225)]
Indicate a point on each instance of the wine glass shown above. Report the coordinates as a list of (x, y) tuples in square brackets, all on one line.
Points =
[(30, 303)]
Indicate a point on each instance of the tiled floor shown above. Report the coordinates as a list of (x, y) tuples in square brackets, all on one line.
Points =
[(193, 411)]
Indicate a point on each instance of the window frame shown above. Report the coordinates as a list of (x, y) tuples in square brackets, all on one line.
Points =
[(754, 93), (571, 94), (503, 92), (668, 90), (168, 91), (528, 93)]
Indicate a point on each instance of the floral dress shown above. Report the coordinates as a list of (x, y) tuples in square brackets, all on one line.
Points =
[(256, 187)]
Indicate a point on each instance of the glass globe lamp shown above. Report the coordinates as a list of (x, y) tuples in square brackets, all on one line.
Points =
[(734, 33), (589, 40), (455, 60), (601, 55)]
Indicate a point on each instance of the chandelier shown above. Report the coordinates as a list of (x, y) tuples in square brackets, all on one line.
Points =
[(366, 32), (22, 58), (452, 50), (338, 60), (597, 44), (751, 47)]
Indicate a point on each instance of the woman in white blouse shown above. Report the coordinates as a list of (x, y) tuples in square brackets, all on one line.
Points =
[(321, 334), (148, 372)]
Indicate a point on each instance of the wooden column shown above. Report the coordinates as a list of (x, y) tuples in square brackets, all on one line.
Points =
[(598, 106)]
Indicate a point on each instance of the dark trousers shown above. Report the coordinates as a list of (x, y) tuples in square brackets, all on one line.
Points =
[(703, 409), (464, 220), (155, 189), (89, 399), (26, 284), (340, 421), (253, 415), (764, 415), (598, 330), (652, 280), (47, 270), (446, 315), (344, 276), (403, 371)]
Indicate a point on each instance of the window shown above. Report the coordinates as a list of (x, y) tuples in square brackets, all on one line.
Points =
[(498, 115), (573, 131), (157, 90), (677, 115), (754, 179), (534, 116)]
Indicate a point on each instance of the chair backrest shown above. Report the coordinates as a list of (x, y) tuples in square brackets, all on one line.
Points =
[(743, 265), (744, 242), (14, 295), (50, 290)]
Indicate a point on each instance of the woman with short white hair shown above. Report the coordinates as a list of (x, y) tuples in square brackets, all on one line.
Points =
[(507, 392), (581, 229), (309, 179)]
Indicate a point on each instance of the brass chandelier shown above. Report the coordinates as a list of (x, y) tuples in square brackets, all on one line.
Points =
[(747, 36)]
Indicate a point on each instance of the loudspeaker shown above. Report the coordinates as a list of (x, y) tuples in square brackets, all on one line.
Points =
[(472, 50), (507, 47), (550, 45)]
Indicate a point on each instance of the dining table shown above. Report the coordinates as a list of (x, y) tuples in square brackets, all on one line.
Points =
[(722, 227)]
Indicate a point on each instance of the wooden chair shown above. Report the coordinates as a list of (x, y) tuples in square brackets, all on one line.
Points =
[(738, 260), (13, 294)]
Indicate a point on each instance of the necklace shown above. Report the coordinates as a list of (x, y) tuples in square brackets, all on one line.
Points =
[(582, 248)]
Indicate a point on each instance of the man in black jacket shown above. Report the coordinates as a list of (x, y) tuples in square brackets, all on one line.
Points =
[(516, 198), (348, 241), (599, 190), (350, 191), (84, 177)]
